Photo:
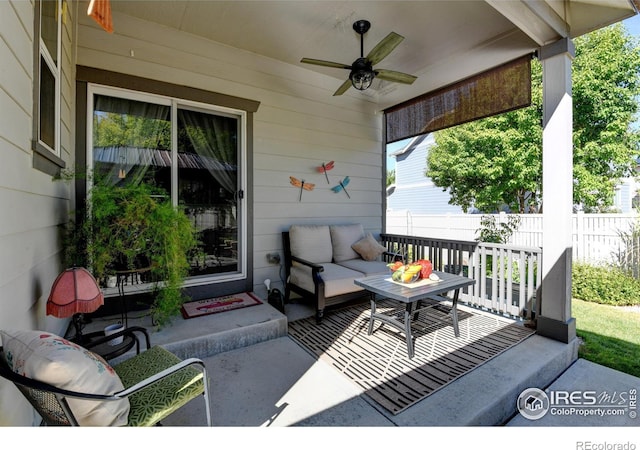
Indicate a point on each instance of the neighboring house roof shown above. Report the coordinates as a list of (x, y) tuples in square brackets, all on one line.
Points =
[(411, 145), (158, 158)]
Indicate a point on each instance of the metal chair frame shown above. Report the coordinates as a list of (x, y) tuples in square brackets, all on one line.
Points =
[(50, 401)]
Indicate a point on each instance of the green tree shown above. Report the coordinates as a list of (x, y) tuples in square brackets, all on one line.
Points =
[(391, 177), (125, 130), (606, 84), (497, 161)]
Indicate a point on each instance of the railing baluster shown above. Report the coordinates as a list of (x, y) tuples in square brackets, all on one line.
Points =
[(469, 258), (522, 284), (508, 308)]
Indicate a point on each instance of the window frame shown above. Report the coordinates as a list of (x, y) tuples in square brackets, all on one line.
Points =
[(91, 75), (46, 158), (175, 103)]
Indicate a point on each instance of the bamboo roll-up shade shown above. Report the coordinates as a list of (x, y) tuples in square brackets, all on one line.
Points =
[(501, 89)]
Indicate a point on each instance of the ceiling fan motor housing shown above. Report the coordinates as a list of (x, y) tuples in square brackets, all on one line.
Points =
[(362, 74)]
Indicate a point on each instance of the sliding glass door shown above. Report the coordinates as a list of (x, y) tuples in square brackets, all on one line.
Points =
[(208, 186), (193, 152)]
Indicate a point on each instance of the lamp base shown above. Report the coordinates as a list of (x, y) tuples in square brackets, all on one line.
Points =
[(78, 325)]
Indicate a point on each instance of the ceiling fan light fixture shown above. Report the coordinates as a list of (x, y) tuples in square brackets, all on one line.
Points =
[(362, 79), (362, 73)]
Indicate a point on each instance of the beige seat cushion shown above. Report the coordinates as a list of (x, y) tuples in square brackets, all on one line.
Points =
[(342, 238), (337, 279), (155, 402), (367, 268)]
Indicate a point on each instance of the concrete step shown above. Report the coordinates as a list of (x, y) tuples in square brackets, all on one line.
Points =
[(208, 335), (487, 395), (217, 333), (616, 392)]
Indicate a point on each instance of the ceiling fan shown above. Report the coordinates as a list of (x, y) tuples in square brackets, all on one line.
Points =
[(362, 71)]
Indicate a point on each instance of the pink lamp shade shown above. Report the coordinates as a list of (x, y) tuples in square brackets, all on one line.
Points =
[(74, 291)]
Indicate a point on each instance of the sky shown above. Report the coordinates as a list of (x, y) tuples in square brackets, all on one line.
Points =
[(632, 25)]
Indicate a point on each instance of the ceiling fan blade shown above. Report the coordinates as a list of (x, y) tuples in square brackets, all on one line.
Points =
[(384, 47), (344, 87), (319, 62), (396, 77)]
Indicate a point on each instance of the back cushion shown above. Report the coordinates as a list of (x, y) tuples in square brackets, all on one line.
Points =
[(311, 242), (49, 358), (342, 238)]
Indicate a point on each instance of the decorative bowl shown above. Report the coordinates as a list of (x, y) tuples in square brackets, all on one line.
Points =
[(413, 279), (401, 276)]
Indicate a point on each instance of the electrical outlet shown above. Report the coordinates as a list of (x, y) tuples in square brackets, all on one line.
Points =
[(273, 258)]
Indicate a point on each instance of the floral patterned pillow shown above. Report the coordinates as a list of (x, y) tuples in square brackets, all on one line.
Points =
[(49, 358)]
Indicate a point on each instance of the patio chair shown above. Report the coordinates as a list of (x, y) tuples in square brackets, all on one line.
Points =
[(70, 385)]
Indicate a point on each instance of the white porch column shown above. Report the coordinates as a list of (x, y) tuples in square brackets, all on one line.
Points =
[(555, 320)]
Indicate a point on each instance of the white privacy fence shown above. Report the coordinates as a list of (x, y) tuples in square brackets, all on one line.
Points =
[(596, 237)]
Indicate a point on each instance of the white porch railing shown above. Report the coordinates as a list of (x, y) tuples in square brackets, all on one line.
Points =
[(507, 276), (507, 279)]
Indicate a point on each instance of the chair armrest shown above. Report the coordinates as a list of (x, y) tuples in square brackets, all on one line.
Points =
[(131, 331), (314, 266), (316, 269), (161, 375), (31, 383)]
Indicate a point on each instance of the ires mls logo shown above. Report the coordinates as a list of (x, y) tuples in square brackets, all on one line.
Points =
[(534, 403)]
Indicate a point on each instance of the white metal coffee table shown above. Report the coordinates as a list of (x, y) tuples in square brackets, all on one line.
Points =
[(412, 295)]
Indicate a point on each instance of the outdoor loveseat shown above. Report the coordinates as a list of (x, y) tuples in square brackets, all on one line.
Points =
[(322, 261)]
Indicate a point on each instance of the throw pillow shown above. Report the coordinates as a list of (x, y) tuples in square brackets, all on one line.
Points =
[(368, 248), (49, 358)]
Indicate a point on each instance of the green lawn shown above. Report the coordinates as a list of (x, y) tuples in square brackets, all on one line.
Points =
[(611, 335)]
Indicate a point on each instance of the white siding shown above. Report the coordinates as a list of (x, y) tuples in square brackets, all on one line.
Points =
[(298, 125), (32, 205)]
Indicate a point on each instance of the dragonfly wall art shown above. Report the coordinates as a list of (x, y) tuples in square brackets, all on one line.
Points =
[(324, 168), (342, 186), (303, 185)]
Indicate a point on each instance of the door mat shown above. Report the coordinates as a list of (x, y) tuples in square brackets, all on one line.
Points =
[(379, 363), (219, 304)]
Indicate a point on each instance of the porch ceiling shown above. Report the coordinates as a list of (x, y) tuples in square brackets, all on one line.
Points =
[(445, 41)]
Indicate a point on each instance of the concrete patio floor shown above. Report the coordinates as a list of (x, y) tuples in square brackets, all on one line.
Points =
[(259, 377)]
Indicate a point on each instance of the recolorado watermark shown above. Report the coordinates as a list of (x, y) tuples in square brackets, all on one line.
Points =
[(534, 404), (589, 445)]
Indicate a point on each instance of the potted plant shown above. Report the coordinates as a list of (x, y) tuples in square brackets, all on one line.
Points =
[(134, 227)]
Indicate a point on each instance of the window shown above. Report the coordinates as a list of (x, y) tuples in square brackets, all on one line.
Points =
[(47, 84), (193, 151)]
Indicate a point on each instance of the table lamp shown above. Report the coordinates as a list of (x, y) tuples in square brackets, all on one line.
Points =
[(74, 293)]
